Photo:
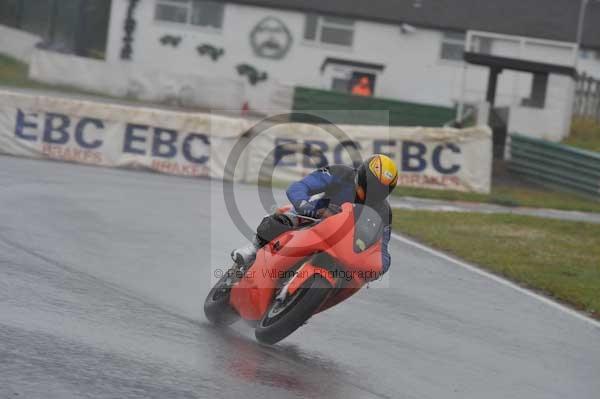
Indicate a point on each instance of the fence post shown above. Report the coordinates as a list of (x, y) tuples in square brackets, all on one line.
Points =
[(578, 91), (586, 103), (597, 101)]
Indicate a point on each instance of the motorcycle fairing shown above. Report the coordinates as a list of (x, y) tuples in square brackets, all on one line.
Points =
[(252, 296)]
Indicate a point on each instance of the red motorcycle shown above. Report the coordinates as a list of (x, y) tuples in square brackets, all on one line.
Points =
[(300, 273)]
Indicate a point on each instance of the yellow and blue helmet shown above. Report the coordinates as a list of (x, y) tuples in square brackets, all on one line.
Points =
[(376, 178)]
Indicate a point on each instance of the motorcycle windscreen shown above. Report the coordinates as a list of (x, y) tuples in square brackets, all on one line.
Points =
[(368, 227)]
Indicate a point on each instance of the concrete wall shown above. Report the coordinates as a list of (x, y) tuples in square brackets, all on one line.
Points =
[(17, 43), (143, 83), (551, 123)]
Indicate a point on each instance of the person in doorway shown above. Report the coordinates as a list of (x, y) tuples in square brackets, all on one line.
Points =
[(362, 87)]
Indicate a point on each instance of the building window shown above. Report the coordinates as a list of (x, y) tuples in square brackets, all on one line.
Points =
[(329, 30), (453, 46), (341, 85), (586, 54), (193, 12), (539, 88), (482, 45)]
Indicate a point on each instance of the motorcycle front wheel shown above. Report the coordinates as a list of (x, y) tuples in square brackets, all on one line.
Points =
[(283, 318), (217, 308)]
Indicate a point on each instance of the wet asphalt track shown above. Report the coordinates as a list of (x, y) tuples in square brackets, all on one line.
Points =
[(103, 274)]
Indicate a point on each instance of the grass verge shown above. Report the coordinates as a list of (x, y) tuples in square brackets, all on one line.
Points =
[(558, 258), (527, 196), (585, 134)]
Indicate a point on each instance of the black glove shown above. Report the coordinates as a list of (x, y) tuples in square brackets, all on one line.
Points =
[(334, 209), (307, 209)]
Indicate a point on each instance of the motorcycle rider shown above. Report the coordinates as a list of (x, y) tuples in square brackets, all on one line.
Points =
[(369, 184)]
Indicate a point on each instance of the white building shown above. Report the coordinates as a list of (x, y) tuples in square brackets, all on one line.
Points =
[(307, 43)]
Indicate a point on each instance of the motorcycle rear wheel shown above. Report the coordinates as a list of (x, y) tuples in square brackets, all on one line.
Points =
[(282, 319), (217, 308)]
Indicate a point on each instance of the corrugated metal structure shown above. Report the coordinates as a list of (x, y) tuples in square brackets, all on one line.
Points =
[(400, 113), (556, 165)]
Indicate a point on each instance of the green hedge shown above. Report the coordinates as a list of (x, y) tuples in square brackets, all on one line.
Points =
[(400, 113)]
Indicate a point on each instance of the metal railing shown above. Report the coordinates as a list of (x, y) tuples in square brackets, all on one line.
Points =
[(587, 98), (556, 165)]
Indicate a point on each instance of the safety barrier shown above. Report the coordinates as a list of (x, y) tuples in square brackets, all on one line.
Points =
[(400, 113), (210, 145), (556, 165)]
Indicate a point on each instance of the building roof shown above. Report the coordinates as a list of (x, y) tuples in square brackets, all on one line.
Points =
[(548, 19), (516, 64)]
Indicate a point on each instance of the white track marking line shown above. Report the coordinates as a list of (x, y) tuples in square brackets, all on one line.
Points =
[(498, 279)]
